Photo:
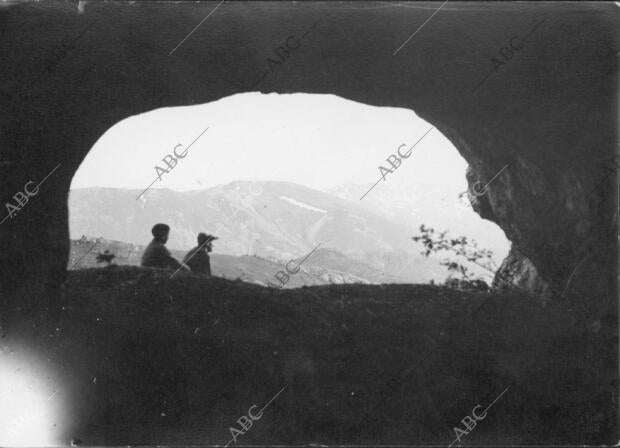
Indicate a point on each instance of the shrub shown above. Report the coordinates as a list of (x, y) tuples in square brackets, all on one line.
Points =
[(463, 251)]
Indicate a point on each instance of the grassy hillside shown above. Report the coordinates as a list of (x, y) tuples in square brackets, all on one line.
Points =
[(179, 361)]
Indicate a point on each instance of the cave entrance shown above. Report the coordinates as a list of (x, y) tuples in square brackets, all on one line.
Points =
[(276, 177)]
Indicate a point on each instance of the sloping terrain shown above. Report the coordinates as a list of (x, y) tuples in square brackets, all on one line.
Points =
[(274, 220), (321, 267), (179, 361), (277, 218), (428, 204)]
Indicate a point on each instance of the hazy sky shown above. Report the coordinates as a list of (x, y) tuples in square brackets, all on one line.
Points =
[(319, 141)]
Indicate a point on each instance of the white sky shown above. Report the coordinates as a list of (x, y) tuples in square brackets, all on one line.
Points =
[(319, 141)]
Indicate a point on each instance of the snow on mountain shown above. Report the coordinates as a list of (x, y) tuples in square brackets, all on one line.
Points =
[(302, 204)]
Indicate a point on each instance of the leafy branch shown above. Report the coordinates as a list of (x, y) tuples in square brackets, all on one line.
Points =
[(467, 251)]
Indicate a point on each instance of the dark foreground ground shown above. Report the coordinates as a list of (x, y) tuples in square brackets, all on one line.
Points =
[(179, 361)]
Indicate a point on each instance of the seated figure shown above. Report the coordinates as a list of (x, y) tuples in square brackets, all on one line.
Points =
[(198, 258), (156, 255)]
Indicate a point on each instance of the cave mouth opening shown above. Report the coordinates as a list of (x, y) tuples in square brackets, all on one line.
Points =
[(278, 176)]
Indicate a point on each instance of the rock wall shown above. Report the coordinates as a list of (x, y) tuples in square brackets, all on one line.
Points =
[(528, 85), (517, 272)]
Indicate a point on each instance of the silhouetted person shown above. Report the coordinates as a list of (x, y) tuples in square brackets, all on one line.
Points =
[(156, 255), (198, 258)]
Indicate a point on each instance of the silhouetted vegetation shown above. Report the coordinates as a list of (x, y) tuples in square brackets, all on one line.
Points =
[(105, 257), (461, 251)]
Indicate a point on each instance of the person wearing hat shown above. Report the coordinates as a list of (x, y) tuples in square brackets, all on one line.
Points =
[(198, 258), (156, 255)]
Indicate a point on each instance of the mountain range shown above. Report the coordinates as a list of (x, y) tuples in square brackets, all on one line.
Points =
[(366, 241)]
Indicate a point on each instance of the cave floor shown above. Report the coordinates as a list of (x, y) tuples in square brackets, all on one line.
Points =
[(179, 361)]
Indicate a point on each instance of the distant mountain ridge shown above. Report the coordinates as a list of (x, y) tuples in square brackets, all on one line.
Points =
[(428, 204), (275, 221)]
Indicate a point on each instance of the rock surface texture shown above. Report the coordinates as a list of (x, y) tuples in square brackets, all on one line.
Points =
[(528, 85)]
